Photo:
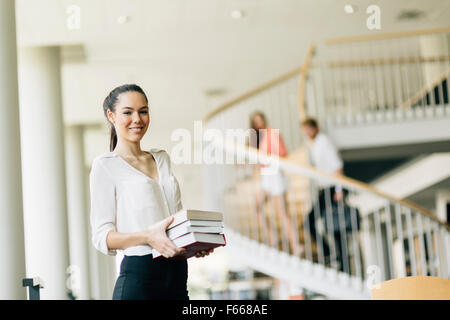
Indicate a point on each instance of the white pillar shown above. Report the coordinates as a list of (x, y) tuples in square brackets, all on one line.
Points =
[(77, 209), (12, 265), (442, 201), (44, 182)]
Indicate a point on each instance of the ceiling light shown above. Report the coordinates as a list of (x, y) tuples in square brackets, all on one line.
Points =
[(237, 14), (348, 8), (123, 19), (410, 14)]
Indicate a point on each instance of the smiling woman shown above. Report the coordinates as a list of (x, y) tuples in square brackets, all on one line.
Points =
[(133, 197)]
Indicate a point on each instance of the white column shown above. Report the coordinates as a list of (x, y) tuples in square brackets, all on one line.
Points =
[(44, 191), (442, 200), (77, 209), (12, 265)]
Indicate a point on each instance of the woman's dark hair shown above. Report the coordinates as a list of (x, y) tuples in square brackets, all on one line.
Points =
[(252, 125), (110, 104), (310, 122)]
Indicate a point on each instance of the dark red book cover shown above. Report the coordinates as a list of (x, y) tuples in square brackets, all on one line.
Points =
[(193, 248)]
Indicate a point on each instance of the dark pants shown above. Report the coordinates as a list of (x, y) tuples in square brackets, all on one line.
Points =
[(142, 278), (325, 199)]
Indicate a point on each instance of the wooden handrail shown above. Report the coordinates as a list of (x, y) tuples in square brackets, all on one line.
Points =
[(390, 35), (252, 92), (382, 61), (302, 81), (426, 89), (293, 166)]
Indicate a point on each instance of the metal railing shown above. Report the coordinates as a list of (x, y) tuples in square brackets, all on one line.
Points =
[(365, 234), (395, 240), (399, 76)]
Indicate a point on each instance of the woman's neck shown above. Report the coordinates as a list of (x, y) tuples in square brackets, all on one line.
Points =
[(129, 150)]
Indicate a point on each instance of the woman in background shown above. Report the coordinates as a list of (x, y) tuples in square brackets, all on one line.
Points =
[(273, 181)]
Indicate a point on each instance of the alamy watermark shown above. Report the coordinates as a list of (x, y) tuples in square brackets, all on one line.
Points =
[(73, 21), (214, 146)]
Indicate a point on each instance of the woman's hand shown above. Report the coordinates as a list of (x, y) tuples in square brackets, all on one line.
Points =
[(156, 237), (203, 253)]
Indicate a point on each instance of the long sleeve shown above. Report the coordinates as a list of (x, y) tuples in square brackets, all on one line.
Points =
[(335, 161), (103, 207), (178, 205)]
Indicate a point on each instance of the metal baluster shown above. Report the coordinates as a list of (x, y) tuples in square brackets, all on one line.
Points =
[(285, 125), (376, 89), (330, 227), (412, 254), (356, 79), (447, 53), (383, 84), (290, 225), (274, 224), (390, 274), (318, 238), (431, 258), (334, 93), (440, 84), (343, 237), (437, 244), (404, 82), (249, 206), (350, 102), (293, 116), (293, 213), (253, 199), (419, 66), (298, 137), (387, 81), (396, 103), (263, 229), (307, 231), (356, 242), (342, 88), (379, 244), (421, 244), (446, 251), (400, 238), (325, 93)]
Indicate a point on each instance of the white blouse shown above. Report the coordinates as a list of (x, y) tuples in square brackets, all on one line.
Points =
[(124, 199)]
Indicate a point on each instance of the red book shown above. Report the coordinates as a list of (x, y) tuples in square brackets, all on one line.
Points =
[(194, 242)]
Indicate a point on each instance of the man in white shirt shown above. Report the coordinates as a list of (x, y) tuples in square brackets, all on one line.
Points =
[(325, 157)]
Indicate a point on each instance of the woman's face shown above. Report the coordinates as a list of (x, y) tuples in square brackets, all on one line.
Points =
[(131, 116), (258, 122)]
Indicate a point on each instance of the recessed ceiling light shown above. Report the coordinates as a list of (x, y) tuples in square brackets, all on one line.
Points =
[(348, 8), (410, 14), (123, 19), (237, 14)]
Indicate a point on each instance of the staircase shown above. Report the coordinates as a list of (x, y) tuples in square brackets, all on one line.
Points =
[(396, 238)]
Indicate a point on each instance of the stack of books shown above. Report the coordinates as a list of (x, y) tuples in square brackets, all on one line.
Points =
[(195, 230)]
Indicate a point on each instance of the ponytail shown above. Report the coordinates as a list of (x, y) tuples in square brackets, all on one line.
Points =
[(113, 139)]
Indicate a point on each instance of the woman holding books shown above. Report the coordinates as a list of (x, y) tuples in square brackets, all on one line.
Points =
[(133, 197)]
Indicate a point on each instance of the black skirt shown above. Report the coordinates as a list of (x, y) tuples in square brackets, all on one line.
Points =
[(143, 278)]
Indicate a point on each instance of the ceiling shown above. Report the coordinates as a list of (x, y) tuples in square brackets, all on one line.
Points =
[(178, 49)]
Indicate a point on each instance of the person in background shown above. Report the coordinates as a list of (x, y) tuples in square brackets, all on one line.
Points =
[(325, 157), (273, 181)]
